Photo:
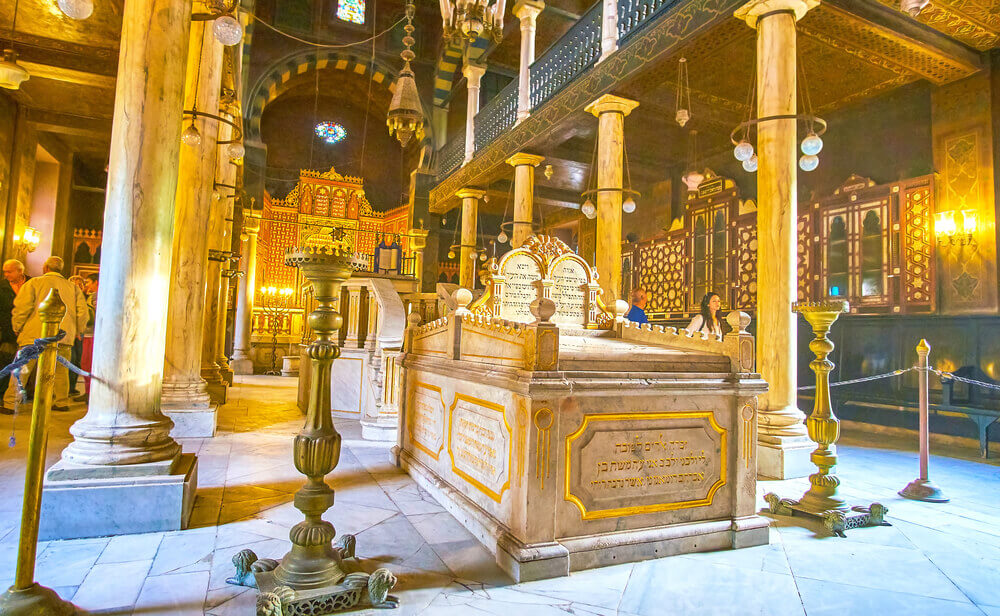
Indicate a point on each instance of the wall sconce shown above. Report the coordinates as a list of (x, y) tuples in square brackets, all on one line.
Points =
[(949, 231), (28, 240)]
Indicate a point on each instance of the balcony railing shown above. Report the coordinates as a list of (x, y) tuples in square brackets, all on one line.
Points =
[(497, 116), (450, 157), (574, 53), (633, 14)]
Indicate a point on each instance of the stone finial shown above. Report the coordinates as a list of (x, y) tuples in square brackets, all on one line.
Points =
[(463, 297), (543, 309), (413, 319), (621, 307), (738, 321)]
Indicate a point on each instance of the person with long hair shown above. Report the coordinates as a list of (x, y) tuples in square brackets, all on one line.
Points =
[(708, 319)]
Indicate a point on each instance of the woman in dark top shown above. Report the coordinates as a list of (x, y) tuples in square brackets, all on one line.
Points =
[(708, 320)]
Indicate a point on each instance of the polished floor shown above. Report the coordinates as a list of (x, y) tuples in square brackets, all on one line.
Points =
[(934, 559)]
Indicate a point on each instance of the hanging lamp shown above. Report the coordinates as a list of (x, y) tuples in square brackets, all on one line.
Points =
[(693, 177), (406, 115), (12, 74), (683, 114)]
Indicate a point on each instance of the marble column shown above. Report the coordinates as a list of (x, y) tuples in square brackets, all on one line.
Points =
[(123, 473), (609, 29), (242, 362), (527, 11), (211, 371), (524, 192), (610, 112), (783, 444), (470, 211), (184, 396), (226, 176), (473, 76)]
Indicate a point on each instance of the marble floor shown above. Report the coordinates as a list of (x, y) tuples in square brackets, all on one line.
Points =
[(934, 559)]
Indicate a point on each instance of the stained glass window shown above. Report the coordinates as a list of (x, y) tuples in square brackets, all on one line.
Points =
[(330, 132), (351, 10)]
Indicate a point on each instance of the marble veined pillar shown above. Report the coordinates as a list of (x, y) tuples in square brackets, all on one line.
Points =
[(467, 256), (610, 111), (185, 396), (211, 371), (527, 12), (123, 473), (473, 76), (242, 362), (783, 444), (524, 195)]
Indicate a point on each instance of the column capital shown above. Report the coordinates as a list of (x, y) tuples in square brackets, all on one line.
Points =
[(473, 72), (610, 102), (523, 158), (470, 193), (528, 10), (753, 10), (251, 222)]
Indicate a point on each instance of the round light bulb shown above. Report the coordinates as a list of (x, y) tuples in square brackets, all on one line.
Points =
[(473, 255), (812, 144), (451, 254), (808, 162), (236, 151), (629, 205), (502, 238), (743, 150), (682, 117), (76, 9), (750, 164), (191, 136), (482, 256), (588, 209), (228, 30)]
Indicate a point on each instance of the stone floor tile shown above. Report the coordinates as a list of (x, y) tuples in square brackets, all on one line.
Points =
[(182, 594), (126, 548), (686, 586), (604, 590), (469, 560), (439, 527), (112, 586), (832, 599), (66, 563), (184, 552)]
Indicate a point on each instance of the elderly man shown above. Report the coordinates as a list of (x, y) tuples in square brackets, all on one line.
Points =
[(637, 313), (13, 278), (28, 324)]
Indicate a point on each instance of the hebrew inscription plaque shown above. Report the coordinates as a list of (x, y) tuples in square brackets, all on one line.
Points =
[(569, 292), (479, 444), (631, 463), (427, 420), (519, 288)]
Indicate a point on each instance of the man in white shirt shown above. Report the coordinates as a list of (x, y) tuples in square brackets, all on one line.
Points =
[(28, 325)]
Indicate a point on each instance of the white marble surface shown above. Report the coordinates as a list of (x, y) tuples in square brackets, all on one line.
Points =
[(934, 559)]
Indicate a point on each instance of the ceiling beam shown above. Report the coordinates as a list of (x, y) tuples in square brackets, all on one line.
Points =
[(68, 75), (98, 129)]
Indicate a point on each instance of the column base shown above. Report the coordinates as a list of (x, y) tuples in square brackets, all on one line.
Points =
[(787, 458), (379, 431), (217, 392), (227, 376), (79, 502), (196, 422), (241, 366)]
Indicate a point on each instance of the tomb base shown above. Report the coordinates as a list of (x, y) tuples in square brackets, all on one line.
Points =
[(79, 502), (786, 458), (192, 423)]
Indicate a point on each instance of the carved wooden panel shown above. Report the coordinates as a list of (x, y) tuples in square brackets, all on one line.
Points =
[(804, 273), (662, 275), (746, 266), (918, 246)]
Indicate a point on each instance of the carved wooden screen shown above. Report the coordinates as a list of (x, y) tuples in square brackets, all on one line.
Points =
[(915, 201), (661, 267), (746, 263)]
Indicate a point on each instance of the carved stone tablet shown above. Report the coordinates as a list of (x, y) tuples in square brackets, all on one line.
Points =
[(569, 292), (521, 273), (479, 444), (427, 419), (622, 464)]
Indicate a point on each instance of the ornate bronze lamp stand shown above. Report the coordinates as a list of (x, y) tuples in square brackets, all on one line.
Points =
[(313, 577), (821, 499)]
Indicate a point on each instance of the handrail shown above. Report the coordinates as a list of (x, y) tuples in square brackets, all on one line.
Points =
[(451, 155), (497, 116), (634, 14), (572, 54)]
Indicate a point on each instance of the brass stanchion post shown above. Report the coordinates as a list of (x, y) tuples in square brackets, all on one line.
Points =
[(922, 488), (26, 597)]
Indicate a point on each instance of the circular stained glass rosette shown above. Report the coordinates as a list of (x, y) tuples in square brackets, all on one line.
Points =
[(330, 132)]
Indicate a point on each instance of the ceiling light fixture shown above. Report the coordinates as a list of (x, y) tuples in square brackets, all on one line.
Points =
[(12, 74), (466, 20), (406, 115), (913, 7), (76, 9)]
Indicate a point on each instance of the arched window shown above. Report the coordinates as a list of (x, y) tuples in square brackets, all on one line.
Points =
[(836, 258), (871, 255), (352, 11), (701, 258), (719, 255)]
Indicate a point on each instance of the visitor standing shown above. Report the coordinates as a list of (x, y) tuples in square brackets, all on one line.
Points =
[(28, 324), (86, 361), (13, 278), (708, 320), (637, 313), (77, 354)]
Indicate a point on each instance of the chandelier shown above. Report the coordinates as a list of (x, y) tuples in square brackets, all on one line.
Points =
[(12, 74), (466, 20), (406, 115)]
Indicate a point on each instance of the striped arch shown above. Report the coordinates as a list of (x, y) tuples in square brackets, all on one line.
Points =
[(450, 63), (274, 80)]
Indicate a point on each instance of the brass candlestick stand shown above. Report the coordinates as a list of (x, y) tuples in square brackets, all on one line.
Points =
[(313, 578), (821, 499), (25, 597)]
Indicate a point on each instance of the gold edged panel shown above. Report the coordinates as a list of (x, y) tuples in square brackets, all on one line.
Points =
[(494, 496), (409, 425)]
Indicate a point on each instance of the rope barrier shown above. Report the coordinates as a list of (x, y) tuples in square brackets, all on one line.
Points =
[(864, 379), (941, 373), (962, 379)]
